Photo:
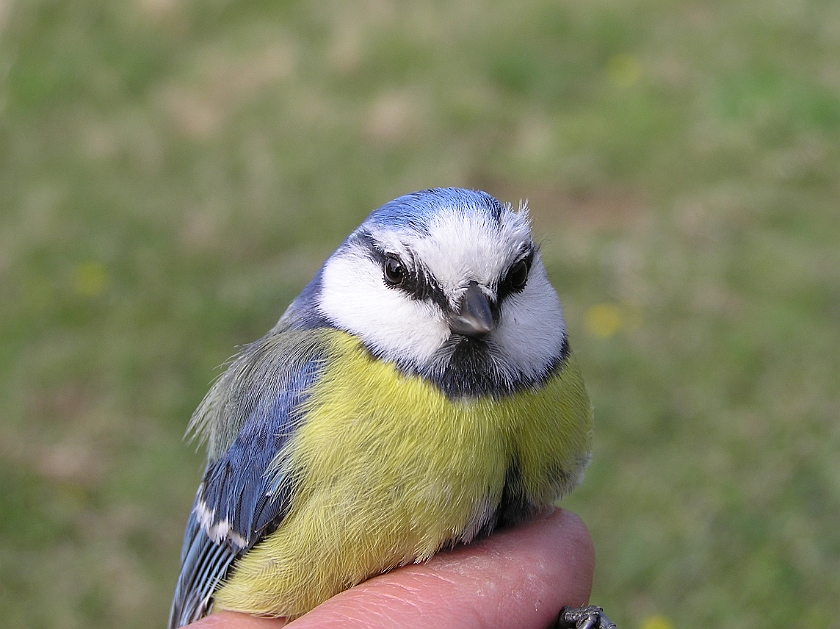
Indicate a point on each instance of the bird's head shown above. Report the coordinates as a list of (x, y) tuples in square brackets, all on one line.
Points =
[(447, 284)]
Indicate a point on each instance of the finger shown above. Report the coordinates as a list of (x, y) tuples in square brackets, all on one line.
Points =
[(235, 620), (518, 577)]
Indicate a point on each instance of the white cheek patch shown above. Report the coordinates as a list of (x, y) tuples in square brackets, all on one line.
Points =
[(531, 326), (354, 297)]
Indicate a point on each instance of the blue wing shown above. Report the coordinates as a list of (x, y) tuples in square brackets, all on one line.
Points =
[(247, 417)]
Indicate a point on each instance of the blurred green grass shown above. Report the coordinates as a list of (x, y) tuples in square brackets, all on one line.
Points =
[(172, 173)]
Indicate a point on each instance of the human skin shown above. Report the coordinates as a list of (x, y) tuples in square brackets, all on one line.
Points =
[(519, 577)]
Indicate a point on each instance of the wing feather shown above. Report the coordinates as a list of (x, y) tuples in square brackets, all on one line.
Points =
[(240, 499)]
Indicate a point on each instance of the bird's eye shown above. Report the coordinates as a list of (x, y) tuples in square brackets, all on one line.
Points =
[(394, 271), (518, 275)]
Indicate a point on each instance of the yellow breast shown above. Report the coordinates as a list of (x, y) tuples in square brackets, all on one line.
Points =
[(387, 470)]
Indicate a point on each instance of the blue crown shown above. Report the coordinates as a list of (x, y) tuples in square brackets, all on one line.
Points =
[(415, 210)]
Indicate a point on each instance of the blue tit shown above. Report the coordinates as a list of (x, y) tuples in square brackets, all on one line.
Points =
[(418, 393)]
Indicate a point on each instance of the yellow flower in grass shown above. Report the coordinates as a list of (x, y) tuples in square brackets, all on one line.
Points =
[(604, 320), (90, 279), (657, 622), (624, 70), (608, 319)]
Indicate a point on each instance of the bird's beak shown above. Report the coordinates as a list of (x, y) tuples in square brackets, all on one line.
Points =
[(475, 316)]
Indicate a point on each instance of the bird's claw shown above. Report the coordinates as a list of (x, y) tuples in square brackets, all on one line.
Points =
[(588, 617)]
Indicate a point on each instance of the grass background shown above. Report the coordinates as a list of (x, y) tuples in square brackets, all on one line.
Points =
[(173, 172)]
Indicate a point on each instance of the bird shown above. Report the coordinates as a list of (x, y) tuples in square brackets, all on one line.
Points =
[(419, 393)]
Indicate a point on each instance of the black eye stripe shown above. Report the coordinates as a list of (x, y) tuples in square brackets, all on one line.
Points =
[(516, 276), (414, 280), (419, 283)]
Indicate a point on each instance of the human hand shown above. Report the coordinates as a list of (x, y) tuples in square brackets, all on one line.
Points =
[(518, 577)]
